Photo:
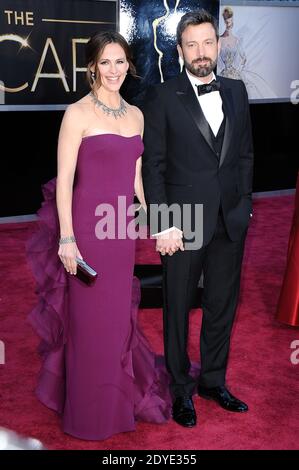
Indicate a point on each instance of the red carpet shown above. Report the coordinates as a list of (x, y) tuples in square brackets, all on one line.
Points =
[(260, 371)]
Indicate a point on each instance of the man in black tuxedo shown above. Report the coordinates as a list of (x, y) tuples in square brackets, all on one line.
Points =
[(198, 150)]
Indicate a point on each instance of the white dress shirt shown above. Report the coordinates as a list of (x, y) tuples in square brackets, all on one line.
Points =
[(211, 103)]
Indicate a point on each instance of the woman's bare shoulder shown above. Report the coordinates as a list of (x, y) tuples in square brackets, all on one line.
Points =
[(137, 113), (76, 115), (79, 108)]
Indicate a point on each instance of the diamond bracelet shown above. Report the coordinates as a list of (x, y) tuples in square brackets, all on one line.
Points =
[(70, 239)]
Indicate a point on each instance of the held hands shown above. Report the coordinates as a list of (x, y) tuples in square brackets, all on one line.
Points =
[(68, 252), (170, 242)]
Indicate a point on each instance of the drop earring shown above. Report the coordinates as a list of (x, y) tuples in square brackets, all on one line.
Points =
[(93, 76)]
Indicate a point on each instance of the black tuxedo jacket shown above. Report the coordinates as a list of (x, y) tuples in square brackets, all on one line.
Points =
[(180, 164)]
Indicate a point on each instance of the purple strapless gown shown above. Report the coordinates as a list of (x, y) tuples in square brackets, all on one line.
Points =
[(98, 370)]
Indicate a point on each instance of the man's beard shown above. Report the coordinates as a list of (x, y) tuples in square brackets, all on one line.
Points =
[(201, 70)]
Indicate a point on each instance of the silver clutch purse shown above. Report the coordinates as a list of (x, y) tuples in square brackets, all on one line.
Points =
[(85, 272)]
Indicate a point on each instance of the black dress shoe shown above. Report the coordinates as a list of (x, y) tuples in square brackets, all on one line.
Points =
[(222, 396), (183, 411)]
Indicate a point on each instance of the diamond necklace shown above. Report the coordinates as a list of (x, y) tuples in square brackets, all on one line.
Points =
[(115, 112)]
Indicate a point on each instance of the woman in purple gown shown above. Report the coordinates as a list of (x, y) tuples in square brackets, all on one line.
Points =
[(98, 370)]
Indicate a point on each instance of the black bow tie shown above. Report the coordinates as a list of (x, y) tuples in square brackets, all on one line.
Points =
[(208, 87)]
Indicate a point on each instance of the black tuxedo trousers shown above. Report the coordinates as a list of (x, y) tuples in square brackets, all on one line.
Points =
[(220, 261)]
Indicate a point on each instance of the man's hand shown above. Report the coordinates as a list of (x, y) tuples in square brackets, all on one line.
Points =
[(170, 242)]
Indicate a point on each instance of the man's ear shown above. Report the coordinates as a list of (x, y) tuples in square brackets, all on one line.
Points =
[(180, 51)]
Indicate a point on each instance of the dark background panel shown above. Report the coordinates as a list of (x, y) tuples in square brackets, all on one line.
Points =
[(28, 158), (275, 136), (29, 141)]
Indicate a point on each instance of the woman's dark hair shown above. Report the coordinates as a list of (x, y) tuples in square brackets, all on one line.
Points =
[(95, 47), (194, 18)]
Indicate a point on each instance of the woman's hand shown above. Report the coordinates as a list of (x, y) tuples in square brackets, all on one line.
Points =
[(68, 252)]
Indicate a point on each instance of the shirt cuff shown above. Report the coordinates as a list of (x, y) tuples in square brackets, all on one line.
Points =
[(171, 229)]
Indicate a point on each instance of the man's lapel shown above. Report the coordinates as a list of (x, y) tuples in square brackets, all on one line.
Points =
[(186, 94), (228, 110)]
